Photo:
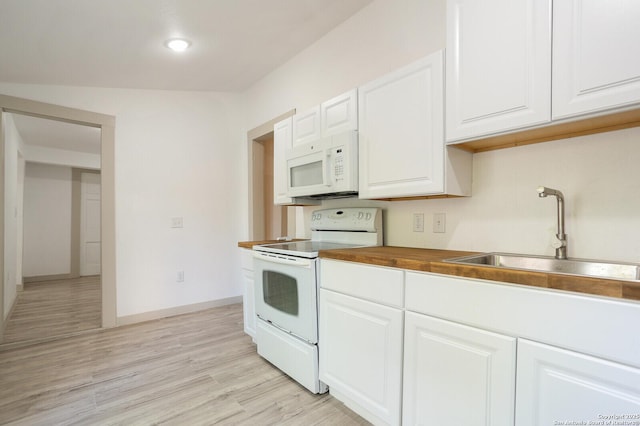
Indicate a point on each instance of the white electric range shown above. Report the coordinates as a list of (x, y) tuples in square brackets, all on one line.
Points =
[(286, 288)]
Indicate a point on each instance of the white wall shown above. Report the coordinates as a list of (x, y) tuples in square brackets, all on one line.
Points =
[(599, 174), (381, 37), (47, 220), (178, 154)]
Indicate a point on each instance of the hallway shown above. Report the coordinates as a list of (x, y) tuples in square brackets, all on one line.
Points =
[(55, 308)]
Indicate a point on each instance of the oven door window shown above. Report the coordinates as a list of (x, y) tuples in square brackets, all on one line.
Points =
[(280, 291)]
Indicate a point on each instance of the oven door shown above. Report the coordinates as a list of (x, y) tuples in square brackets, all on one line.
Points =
[(286, 293)]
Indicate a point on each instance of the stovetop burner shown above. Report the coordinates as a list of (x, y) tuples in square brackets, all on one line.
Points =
[(308, 249)]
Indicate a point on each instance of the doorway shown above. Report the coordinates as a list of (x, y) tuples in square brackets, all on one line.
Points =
[(267, 221), (106, 124)]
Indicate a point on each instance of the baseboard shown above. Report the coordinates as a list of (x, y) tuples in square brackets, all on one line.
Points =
[(38, 278), (5, 321), (178, 310)]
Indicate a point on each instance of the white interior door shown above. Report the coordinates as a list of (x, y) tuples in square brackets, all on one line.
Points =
[(90, 224)]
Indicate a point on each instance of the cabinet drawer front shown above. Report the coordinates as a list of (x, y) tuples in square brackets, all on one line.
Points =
[(595, 325), (374, 283)]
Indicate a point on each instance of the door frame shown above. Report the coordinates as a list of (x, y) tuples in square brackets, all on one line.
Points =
[(82, 256), (253, 136), (106, 123)]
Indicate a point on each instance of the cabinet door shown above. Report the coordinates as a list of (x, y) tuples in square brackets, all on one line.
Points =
[(339, 114), (248, 294), (249, 303), (282, 139), (457, 375), (401, 141), (306, 126), (555, 385), (596, 65), (361, 355), (498, 66)]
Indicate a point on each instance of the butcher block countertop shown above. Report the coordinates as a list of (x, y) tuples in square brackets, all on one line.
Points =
[(431, 260), (250, 244)]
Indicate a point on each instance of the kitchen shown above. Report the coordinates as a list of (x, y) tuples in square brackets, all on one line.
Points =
[(597, 173), (508, 214)]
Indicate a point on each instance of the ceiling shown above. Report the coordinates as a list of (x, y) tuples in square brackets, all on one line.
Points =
[(120, 43), (57, 134)]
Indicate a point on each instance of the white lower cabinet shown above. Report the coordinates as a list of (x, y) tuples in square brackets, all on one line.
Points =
[(360, 337), (427, 349), (456, 375), (248, 293), (558, 386), (361, 355)]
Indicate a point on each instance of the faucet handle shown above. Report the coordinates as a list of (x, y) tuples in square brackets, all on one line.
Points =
[(558, 243)]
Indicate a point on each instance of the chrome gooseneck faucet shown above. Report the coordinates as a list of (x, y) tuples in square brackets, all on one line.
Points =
[(561, 244)]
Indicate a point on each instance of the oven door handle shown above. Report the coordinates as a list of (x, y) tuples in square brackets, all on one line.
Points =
[(274, 258)]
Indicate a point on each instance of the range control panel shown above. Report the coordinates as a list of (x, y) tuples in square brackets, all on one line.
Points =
[(358, 219)]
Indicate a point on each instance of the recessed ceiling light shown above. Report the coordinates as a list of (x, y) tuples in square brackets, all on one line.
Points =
[(178, 44)]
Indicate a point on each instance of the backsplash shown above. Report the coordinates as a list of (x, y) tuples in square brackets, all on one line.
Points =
[(598, 174)]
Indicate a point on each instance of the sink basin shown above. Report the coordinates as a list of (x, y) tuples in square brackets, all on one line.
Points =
[(591, 268)]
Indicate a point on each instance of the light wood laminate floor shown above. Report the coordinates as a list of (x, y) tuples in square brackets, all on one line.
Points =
[(193, 369), (55, 308)]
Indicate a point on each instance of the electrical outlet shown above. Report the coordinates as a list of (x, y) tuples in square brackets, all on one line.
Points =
[(418, 222), (180, 277), (439, 220), (176, 222)]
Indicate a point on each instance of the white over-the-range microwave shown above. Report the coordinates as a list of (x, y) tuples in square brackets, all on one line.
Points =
[(324, 168)]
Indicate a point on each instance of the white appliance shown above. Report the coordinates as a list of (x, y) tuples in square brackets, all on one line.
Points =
[(324, 168), (286, 289)]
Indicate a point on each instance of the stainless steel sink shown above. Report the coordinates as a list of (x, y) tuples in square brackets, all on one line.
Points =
[(591, 268)]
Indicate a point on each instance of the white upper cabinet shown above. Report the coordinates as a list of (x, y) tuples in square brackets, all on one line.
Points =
[(334, 116), (339, 114), (306, 126), (401, 135), (282, 140), (596, 64), (498, 74)]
